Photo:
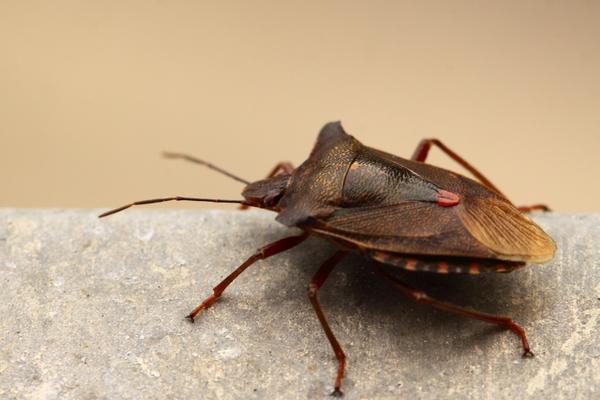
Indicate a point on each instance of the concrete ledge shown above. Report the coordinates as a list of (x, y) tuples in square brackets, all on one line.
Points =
[(94, 309)]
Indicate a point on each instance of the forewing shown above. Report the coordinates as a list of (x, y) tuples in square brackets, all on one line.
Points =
[(478, 227), (410, 227)]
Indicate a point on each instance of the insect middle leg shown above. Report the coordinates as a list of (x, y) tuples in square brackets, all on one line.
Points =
[(421, 297), (316, 282), (260, 254), (422, 151)]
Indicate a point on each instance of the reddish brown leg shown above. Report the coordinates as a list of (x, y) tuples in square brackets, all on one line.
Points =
[(422, 151), (262, 253), (535, 207), (315, 284), (422, 297), (283, 166)]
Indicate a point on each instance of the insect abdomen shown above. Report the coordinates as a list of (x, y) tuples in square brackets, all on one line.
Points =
[(448, 265)]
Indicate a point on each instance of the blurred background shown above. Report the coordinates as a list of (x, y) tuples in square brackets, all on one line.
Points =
[(91, 92)]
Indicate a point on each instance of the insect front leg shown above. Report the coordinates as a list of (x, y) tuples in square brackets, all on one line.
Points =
[(260, 254), (316, 282), (422, 151), (283, 166), (421, 297)]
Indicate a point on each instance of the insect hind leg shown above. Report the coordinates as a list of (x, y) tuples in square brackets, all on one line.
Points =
[(534, 207), (421, 297), (425, 145), (422, 151)]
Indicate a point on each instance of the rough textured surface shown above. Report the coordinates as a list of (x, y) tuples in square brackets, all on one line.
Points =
[(94, 309)]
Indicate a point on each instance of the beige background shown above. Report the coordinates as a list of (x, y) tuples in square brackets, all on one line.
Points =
[(92, 91)]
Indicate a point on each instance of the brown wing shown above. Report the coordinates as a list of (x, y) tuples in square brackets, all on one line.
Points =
[(478, 227), (410, 227)]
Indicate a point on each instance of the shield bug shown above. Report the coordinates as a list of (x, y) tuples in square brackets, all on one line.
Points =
[(398, 212)]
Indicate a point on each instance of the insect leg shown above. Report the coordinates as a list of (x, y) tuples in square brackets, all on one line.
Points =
[(260, 254), (422, 151), (534, 207), (421, 297), (315, 284), (283, 166)]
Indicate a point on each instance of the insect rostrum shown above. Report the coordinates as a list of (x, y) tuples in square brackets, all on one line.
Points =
[(399, 212)]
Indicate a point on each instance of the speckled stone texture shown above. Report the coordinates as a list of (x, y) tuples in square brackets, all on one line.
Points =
[(94, 309)]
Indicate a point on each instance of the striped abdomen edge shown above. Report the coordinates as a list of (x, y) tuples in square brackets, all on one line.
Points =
[(447, 265)]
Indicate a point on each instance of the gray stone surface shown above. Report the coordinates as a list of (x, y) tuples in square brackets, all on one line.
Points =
[(94, 309)]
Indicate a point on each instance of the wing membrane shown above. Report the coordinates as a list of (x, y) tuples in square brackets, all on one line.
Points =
[(503, 229)]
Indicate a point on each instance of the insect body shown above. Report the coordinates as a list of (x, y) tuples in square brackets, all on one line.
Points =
[(395, 211)]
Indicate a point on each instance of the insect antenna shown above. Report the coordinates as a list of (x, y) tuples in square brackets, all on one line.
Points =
[(176, 198), (195, 160)]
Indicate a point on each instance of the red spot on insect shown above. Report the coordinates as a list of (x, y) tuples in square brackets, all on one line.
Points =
[(474, 269), (501, 268), (411, 264), (442, 268), (447, 199)]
